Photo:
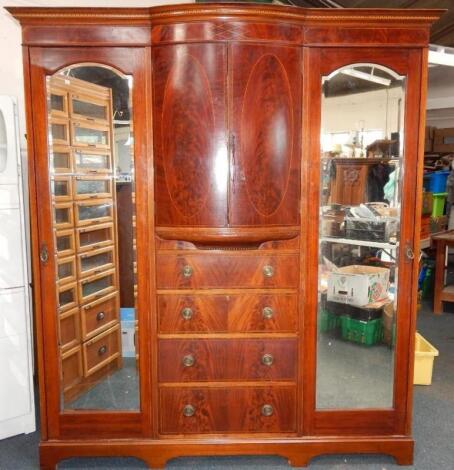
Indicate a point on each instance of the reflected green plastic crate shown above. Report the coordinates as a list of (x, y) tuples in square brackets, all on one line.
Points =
[(327, 321), (362, 332)]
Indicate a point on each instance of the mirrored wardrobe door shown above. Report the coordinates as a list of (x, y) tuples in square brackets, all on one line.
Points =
[(91, 184), (362, 135)]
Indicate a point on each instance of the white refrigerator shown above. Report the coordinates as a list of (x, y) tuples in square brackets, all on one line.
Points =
[(17, 414)]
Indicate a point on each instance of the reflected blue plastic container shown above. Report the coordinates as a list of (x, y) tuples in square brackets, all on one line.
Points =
[(436, 182)]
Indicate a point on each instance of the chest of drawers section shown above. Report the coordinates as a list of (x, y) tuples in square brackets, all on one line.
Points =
[(227, 340)]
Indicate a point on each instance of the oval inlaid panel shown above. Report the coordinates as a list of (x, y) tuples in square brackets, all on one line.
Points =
[(267, 134), (187, 135)]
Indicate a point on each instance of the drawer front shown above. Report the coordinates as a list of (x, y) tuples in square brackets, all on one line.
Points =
[(232, 270), (86, 134), (69, 329), (92, 238), (227, 359), (89, 108), (99, 315), (92, 187), (71, 368), (92, 161), (67, 297), (59, 130), (66, 269), (95, 261), (97, 286), (227, 313), (61, 160), (93, 212), (61, 187), (235, 409), (64, 242), (101, 350), (63, 215)]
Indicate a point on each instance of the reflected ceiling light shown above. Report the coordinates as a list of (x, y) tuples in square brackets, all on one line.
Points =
[(440, 55), (370, 77)]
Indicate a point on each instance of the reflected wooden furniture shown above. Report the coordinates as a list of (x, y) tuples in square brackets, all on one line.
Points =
[(442, 292), (83, 195), (226, 111)]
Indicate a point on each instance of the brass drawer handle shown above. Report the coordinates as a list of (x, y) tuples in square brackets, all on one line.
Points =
[(267, 313), (187, 313), (267, 410), (189, 360), (186, 271), (267, 360), (189, 411), (268, 271), (102, 350), (100, 316)]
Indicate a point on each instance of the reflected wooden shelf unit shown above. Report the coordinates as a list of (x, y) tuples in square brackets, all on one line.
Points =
[(226, 104), (74, 190)]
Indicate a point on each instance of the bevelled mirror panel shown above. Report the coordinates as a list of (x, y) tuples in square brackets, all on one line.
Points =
[(361, 171), (91, 168)]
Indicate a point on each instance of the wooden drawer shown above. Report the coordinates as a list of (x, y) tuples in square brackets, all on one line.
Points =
[(64, 242), (92, 161), (66, 269), (101, 350), (61, 187), (93, 212), (58, 102), (71, 368), (95, 261), (92, 187), (91, 135), (69, 329), (92, 238), (61, 160), (63, 215), (99, 315), (221, 410), (89, 108), (67, 296), (196, 360), (239, 269), (59, 131), (227, 313), (97, 286)]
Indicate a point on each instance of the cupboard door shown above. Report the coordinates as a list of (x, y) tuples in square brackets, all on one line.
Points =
[(190, 148), (265, 135)]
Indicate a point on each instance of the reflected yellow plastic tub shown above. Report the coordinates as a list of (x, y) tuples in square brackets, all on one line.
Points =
[(424, 361)]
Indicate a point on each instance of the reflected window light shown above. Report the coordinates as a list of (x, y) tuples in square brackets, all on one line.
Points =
[(221, 169)]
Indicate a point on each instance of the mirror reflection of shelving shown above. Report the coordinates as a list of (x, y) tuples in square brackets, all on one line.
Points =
[(361, 169), (93, 197)]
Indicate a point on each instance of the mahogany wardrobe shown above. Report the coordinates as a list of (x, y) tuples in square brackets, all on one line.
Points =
[(225, 206)]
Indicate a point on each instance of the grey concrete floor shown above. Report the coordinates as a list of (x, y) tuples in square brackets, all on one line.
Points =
[(433, 427)]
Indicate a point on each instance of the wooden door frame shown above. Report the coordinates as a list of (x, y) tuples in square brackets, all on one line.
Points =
[(38, 63), (321, 61)]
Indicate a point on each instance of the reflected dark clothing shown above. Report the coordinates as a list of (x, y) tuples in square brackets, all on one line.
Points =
[(376, 179)]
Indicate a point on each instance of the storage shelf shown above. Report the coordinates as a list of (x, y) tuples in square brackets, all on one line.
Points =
[(371, 244)]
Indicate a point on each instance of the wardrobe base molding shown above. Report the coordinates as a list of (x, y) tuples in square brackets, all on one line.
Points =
[(156, 453)]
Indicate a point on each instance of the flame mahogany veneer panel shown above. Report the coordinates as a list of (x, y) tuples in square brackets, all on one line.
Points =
[(235, 409), (191, 168), (215, 313), (227, 270), (227, 359), (266, 128)]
